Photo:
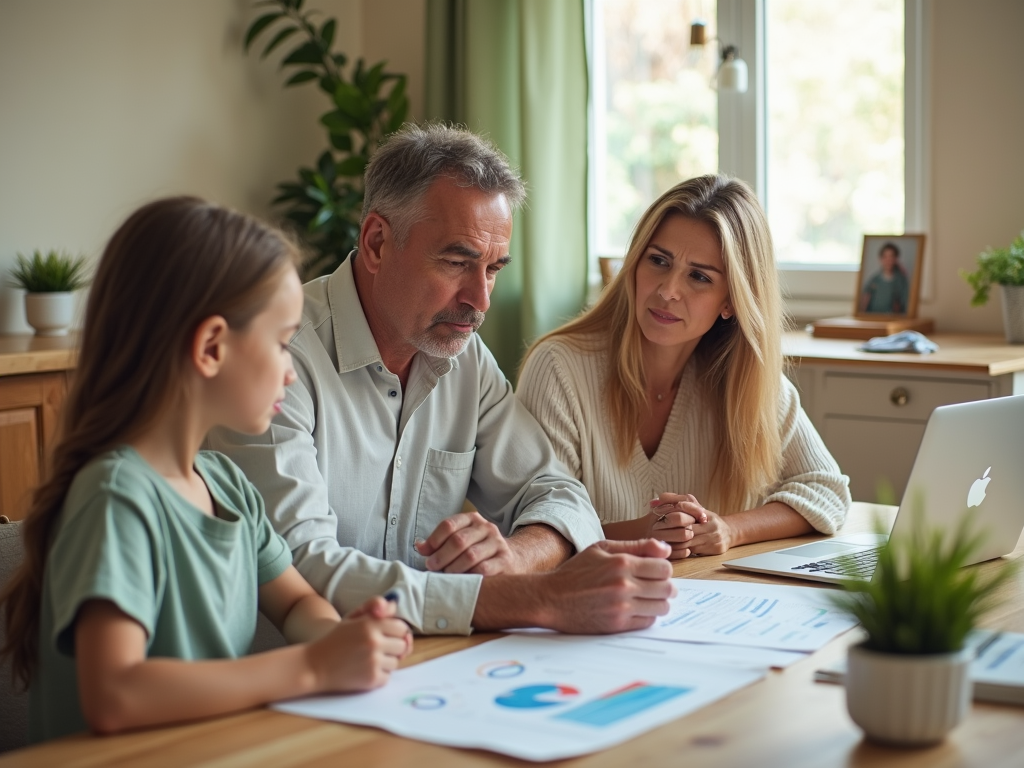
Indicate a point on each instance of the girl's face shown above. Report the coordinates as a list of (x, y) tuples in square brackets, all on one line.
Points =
[(681, 287), (258, 365)]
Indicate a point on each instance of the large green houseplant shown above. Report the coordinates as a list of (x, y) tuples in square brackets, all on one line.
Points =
[(1003, 267), (325, 202), (908, 682), (49, 281)]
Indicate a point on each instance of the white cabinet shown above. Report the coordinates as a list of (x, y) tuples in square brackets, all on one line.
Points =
[(871, 410)]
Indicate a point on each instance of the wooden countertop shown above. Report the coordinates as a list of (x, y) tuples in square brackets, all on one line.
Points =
[(968, 352), (35, 354)]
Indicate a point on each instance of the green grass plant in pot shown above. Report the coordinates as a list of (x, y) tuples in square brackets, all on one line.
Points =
[(49, 282), (908, 683), (1003, 267)]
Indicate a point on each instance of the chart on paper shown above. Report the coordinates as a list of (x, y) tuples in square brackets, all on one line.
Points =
[(756, 615), (533, 697)]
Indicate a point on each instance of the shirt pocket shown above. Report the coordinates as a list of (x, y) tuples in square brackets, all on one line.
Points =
[(446, 478)]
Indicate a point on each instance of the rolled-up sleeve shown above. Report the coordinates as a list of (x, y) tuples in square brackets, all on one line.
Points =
[(516, 469), (812, 483)]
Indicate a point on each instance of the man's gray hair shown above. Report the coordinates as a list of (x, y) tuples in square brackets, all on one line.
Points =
[(411, 159)]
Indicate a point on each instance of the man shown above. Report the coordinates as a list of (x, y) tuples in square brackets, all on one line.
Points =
[(400, 414)]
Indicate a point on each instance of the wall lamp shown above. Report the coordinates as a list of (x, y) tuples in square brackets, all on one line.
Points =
[(732, 72)]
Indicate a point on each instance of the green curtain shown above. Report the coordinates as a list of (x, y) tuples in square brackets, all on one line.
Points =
[(516, 72)]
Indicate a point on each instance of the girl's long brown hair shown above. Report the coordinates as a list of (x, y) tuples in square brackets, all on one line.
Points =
[(740, 359), (171, 265)]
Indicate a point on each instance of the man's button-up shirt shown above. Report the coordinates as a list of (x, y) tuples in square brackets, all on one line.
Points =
[(354, 469)]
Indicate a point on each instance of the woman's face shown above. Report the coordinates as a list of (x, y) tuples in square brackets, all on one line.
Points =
[(681, 288)]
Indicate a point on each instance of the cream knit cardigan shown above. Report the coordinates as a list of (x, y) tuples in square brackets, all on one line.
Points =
[(562, 385)]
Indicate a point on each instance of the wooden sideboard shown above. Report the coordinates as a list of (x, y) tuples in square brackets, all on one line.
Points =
[(33, 382), (871, 408)]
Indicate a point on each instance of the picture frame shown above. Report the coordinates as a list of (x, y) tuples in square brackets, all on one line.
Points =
[(610, 266), (889, 281)]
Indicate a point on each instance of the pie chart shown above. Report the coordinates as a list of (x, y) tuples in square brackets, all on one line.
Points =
[(537, 696)]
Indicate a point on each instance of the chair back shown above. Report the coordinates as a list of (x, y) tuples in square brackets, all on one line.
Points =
[(13, 704)]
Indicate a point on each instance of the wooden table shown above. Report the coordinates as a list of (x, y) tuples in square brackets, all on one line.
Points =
[(784, 720)]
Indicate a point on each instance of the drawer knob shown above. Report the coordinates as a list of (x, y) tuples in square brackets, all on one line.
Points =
[(899, 396)]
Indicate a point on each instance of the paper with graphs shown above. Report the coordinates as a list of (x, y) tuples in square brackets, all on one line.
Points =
[(535, 697), (756, 615)]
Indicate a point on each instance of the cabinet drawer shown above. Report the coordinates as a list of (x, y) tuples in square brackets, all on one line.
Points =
[(873, 396)]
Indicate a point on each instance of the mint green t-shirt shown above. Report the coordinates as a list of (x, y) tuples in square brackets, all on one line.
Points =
[(189, 579)]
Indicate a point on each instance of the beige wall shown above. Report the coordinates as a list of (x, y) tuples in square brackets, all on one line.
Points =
[(107, 103), (977, 149)]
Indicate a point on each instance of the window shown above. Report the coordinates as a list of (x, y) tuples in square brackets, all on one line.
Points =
[(655, 113), (830, 133)]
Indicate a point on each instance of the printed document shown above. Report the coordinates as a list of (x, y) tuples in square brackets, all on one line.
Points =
[(534, 697), (785, 617)]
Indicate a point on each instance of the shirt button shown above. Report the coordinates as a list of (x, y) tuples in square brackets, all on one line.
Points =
[(380, 368), (398, 462), (394, 521), (393, 393), (442, 623)]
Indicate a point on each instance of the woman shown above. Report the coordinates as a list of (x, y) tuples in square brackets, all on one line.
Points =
[(671, 386)]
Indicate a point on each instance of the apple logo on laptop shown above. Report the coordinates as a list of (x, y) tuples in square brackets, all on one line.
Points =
[(977, 493)]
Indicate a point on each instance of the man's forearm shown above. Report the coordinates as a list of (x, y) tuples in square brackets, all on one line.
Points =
[(539, 547), (510, 602)]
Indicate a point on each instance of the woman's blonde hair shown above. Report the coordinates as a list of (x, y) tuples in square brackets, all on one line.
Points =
[(171, 265), (740, 358)]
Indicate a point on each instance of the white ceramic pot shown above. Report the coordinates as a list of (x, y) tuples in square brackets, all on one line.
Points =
[(1013, 313), (907, 700), (49, 313)]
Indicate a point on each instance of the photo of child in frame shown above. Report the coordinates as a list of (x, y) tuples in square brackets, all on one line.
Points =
[(890, 275)]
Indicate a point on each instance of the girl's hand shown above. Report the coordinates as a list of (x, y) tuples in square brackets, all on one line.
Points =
[(673, 524), (361, 653)]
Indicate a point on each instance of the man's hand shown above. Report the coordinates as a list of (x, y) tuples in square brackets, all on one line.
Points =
[(611, 586), (467, 543)]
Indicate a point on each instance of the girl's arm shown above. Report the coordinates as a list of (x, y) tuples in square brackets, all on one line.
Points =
[(120, 688), (295, 608)]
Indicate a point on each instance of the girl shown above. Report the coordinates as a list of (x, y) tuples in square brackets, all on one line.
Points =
[(673, 382), (146, 558)]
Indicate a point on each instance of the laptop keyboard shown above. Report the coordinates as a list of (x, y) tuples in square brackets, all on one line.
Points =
[(857, 565)]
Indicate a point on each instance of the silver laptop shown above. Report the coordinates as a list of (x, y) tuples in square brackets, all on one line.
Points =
[(971, 459)]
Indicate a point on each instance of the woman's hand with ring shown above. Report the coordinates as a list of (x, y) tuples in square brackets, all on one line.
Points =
[(673, 526)]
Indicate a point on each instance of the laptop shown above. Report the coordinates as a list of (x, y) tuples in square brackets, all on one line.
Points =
[(971, 460)]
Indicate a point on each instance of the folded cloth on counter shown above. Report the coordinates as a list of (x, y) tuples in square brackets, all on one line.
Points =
[(904, 341)]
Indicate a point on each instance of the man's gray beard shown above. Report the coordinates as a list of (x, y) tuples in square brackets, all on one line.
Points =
[(453, 344)]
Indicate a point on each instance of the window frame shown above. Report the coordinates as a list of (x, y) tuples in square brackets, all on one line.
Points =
[(810, 291)]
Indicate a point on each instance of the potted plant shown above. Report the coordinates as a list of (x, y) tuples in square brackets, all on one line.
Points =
[(49, 282), (325, 202), (908, 683), (1003, 267)]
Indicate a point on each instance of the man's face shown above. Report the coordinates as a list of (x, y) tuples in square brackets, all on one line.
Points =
[(431, 293)]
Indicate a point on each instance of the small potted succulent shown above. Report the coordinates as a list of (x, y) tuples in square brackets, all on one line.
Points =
[(908, 683), (1003, 267), (49, 282)]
